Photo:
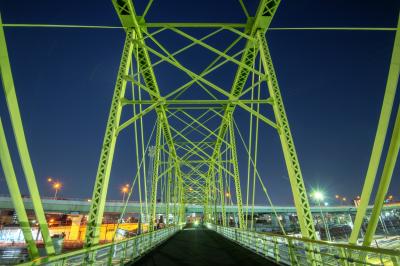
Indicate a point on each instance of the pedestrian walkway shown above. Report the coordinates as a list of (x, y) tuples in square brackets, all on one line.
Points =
[(201, 247)]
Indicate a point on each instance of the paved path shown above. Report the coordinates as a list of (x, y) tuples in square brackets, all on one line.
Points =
[(201, 247)]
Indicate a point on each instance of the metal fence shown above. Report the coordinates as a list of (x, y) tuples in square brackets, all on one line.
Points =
[(116, 253), (296, 251)]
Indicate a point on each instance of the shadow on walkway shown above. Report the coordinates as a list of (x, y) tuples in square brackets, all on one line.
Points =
[(201, 247)]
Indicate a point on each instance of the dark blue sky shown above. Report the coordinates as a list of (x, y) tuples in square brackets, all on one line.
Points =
[(332, 84)]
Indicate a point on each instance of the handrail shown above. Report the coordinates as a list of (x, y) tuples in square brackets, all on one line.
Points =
[(292, 250), (111, 253)]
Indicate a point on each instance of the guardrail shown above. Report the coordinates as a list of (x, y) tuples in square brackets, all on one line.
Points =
[(115, 253), (295, 251)]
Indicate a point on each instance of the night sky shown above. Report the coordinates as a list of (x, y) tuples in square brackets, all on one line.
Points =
[(332, 84)]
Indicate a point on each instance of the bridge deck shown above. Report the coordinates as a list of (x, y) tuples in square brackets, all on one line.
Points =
[(201, 247)]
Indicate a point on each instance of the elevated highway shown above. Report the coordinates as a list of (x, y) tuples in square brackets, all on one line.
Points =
[(82, 206)]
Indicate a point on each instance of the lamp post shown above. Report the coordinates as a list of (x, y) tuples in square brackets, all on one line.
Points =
[(57, 187), (318, 196), (124, 190)]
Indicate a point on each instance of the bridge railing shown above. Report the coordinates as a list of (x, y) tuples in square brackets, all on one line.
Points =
[(115, 253), (293, 251)]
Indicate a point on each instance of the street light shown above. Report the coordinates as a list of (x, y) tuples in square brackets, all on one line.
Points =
[(319, 196), (124, 190), (57, 187)]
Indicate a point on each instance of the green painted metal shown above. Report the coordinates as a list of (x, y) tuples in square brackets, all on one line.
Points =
[(125, 251), (380, 136), (289, 151), (236, 178), (199, 25), (195, 166), (16, 121), (155, 178), (103, 172), (289, 250), (15, 194), (385, 182)]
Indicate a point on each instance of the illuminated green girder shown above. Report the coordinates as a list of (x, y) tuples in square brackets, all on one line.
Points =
[(16, 121), (236, 178), (155, 178), (292, 163), (194, 171), (221, 191), (197, 185), (107, 152), (385, 181), (134, 40), (263, 18), (390, 93), (12, 183)]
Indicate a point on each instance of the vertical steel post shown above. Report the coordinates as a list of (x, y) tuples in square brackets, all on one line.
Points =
[(221, 190), (236, 173), (15, 194), (107, 151), (380, 136), (153, 199), (207, 209), (16, 121), (169, 182)]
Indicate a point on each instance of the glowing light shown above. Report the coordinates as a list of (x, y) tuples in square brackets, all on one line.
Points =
[(49, 179), (344, 199), (326, 203), (337, 196), (318, 195), (124, 189), (196, 223), (227, 194), (57, 185)]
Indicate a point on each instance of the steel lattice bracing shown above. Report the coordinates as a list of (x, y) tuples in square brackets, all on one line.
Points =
[(204, 157), (18, 129), (193, 134), (197, 136)]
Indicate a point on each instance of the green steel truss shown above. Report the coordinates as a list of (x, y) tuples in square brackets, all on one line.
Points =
[(195, 154), (195, 158), (22, 146)]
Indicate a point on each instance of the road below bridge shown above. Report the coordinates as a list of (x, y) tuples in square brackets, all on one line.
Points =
[(198, 246)]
